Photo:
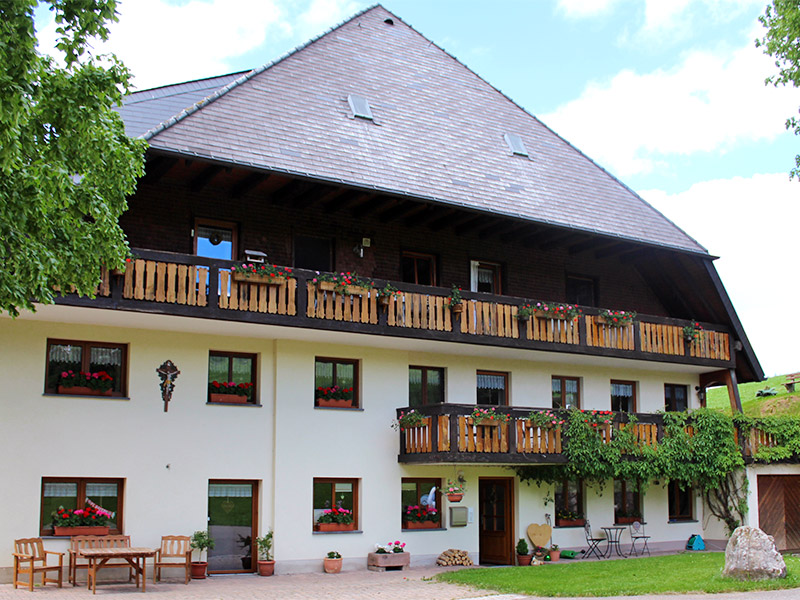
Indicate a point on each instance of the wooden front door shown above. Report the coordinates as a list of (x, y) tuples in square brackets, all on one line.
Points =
[(496, 524), (778, 499)]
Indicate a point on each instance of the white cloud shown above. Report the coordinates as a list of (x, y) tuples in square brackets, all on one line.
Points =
[(709, 102), (581, 9), (324, 14), (751, 223)]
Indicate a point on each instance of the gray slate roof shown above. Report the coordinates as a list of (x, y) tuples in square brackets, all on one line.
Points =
[(437, 134)]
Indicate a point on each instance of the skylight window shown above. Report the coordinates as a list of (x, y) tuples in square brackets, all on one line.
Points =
[(515, 144), (360, 106)]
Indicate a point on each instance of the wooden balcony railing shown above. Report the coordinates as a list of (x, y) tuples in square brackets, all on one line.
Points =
[(449, 434), (197, 286)]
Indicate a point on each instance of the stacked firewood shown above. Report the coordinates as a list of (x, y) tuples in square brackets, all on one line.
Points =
[(453, 557)]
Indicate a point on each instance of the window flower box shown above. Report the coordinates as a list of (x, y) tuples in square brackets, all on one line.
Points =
[(627, 520), (420, 524), (328, 527), (80, 530), (267, 279), (81, 390), (335, 402), (227, 398), (570, 522)]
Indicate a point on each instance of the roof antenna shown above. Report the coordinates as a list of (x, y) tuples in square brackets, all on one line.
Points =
[(388, 21)]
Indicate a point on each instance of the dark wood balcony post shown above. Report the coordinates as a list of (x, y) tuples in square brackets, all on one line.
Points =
[(213, 287), (581, 330), (117, 285), (512, 434), (637, 336), (453, 426), (302, 295), (434, 432)]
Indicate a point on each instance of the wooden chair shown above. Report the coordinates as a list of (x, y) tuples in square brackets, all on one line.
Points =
[(30, 558), (173, 547)]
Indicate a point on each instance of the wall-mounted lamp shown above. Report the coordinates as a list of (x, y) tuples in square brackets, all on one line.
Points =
[(359, 247)]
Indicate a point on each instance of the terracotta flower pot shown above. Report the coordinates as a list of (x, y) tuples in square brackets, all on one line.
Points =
[(227, 398), (570, 522), (384, 301), (379, 562), (335, 403), (81, 390), (420, 524), (332, 565), (524, 560), (266, 567), (335, 526), (455, 497), (555, 555), (457, 308), (80, 530), (199, 569)]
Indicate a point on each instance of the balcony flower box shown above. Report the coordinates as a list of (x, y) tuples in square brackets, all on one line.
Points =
[(421, 525), (355, 290), (549, 315), (267, 279), (393, 560), (326, 286), (570, 522), (81, 390), (335, 402), (227, 398), (328, 527), (80, 530)]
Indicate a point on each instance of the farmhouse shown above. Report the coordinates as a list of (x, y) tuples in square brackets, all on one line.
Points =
[(359, 229)]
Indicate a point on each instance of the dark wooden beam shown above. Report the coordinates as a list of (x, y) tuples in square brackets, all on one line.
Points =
[(635, 255), (541, 238), (434, 213), (156, 168), (367, 208), (314, 195), (290, 191), (204, 177), (467, 226), (345, 200), (521, 232), (617, 248), (400, 211), (594, 243), (247, 183), (452, 218), (498, 228), (559, 241)]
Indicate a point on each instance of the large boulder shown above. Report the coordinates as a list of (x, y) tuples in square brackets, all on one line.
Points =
[(751, 555)]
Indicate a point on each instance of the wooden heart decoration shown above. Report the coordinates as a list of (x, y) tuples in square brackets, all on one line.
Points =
[(539, 534)]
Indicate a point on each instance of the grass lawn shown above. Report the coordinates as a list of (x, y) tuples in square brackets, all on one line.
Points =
[(783, 403), (679, 573)]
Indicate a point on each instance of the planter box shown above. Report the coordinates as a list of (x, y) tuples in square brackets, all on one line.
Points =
[(570, 522), (546, 314), (80, 390), (421, 525), (227, 398), (253, 278), (455, 497), (80, 530), (392, 560), (603, 321), (331, 403), (335, 527), (326, 286), (487, 422), (627, 520), (355, 290)]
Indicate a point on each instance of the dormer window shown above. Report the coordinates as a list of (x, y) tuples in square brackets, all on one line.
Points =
[(359, 105), (515, 144)]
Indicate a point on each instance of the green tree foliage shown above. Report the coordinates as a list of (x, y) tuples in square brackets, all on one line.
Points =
[(782, 42), (66, 165)]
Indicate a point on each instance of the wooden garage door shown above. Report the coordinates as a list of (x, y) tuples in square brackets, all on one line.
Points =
[(778, 499)]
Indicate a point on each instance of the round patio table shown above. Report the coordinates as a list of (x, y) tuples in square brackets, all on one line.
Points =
[(613, 537)]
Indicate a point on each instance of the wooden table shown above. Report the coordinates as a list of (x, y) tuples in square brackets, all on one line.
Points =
[(98, 557)]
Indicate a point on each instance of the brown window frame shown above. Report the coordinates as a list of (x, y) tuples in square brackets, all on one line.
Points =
[(563, 379), (334, 481), (674, 386), (331, 250), (85, 359), (253, 372), (420, 256), (427, 482), (425, 384), (506, 396), (673, 501), (637, 494), (234, 227), (356, 380), (584, 278), (564, 493), (497, 277), (635, 400), (45, 521)]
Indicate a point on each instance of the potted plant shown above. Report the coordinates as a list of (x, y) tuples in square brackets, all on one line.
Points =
[(229, 392), (386, 293), (392, 555), (90, 520), (616, 318), (523, 558), (261, 273), (692, 332), (545, 419), (334, 397), (246, 544), (266, 566), (487, 417), (566, 312), (341, 283), (565, 518), (201, 540), (455, 301), (539, 552), (332, 563), (335, 519), (83, 383), (409, 420), (555, 553), (525, 312), (421, 517), (454, 490)]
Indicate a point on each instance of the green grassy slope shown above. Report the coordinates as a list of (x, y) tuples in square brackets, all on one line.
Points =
[(784, 403)]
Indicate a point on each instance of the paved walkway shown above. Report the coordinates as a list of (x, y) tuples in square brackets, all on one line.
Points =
[(414, 584)]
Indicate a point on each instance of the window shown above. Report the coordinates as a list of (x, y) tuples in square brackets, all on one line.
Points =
[(676, 397), (485, 277), (680, 502), (225, 367), (627, 501), (87, 357), (339, 494), (336, 383), (215, 239), (623, 396), (419, 268), (360, 106), (581, 290), (492, 388), (569, 503), (515, 144), (313, 253), (566, 392), (416, 492), (425, 386), (72, 493)]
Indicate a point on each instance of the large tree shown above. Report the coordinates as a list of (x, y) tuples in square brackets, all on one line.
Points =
[(66, 165), (782, 42)]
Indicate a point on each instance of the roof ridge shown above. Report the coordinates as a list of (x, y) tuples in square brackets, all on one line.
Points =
[(177, 83), (150, 133)]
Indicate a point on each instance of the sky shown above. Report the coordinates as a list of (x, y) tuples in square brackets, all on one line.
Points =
[(667, 95)]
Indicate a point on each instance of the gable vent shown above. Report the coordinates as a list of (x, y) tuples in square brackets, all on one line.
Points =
[(515, 144), (360, 106)]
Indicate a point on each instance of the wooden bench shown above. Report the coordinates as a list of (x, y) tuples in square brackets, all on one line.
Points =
[(86, 542), (791, 380)]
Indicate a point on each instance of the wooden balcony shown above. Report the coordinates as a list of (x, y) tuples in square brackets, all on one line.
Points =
[(450, 435), (177, 284)]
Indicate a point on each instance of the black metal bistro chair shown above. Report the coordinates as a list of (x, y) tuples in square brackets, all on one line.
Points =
[(637, 533), (592, 542)]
